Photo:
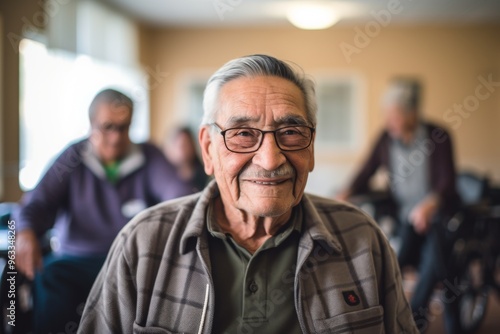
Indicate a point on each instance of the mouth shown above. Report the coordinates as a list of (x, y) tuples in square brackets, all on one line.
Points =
[(269, 182)]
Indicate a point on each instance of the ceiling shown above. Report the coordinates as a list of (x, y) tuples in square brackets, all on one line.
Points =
[(266, 13)]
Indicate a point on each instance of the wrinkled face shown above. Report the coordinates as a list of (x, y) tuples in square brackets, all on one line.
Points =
[(268, 182), (399, 123), (110, 127)]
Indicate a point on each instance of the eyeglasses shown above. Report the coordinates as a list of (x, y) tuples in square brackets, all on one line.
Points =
[(248, 140), (107, 128)]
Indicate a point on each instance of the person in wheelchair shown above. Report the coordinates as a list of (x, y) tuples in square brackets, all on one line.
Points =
[(94, 187), (418, 157)]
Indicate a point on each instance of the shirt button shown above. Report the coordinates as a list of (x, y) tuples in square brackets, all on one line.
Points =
[(253, 287)]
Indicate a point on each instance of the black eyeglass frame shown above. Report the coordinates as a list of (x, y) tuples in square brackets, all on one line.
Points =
[(263, 132)]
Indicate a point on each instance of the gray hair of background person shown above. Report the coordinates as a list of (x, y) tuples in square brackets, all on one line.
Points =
[(110, 96), (405, 93), (252, 66)]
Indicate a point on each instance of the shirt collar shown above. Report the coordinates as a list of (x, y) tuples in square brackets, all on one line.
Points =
[(419, 135), (293, 224), (309, 224), (133, 160)]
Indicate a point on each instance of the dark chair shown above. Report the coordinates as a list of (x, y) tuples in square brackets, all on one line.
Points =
[(379, 205), (475, 254), (472, 187)]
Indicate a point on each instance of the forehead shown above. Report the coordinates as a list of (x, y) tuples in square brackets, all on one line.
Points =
[(396, 111), (261, 99), (112, 112)]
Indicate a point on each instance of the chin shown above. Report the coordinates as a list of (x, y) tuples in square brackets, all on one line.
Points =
[(114, 154), (271, 211)]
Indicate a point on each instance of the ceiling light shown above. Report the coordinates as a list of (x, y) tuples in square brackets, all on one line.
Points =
[(311, 16)]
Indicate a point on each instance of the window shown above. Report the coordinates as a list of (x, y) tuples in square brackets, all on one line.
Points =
[(340, 130), (1, 108), (56, 90), (195, 104), (339, 113)]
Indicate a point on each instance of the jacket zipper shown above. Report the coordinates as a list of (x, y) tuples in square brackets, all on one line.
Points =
[(208, 295), (205, 306), (297, 291)]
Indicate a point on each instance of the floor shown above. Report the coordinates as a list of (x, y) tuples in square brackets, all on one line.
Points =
[(490, 325)]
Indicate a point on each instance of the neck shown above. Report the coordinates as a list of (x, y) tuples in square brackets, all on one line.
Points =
[(409, 135), (407, 138), (108, 162), (249, 231)]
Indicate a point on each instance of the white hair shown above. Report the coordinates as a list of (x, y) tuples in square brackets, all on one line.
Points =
[(404, 94), (256, 65)]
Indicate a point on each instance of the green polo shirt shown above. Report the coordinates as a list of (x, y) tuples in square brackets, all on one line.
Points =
[(112, 171), (254, 293)]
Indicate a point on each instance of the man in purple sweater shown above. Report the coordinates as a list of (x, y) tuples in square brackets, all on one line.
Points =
[(93, 188)]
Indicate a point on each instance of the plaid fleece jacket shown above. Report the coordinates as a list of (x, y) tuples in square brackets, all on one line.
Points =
[(157, 276)]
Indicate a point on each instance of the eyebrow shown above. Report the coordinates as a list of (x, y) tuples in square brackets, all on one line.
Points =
[(240, 120), (285, 120), (292, 120)]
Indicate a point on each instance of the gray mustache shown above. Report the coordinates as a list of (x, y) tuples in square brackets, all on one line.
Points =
[(283, 171)]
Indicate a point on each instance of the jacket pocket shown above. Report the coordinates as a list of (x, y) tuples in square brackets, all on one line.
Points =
[(150, 330), (369, 321)]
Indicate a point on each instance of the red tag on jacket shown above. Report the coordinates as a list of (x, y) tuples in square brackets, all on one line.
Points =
[(350, 297)]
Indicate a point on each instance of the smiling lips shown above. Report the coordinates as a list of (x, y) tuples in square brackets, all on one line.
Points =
[(271, 182), (265, 183)]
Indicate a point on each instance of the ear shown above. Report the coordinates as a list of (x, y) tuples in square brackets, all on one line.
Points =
[(205, 143)]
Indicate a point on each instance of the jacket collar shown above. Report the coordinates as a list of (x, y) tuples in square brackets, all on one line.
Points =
[(195, 227), (313, 229), (133, 160)]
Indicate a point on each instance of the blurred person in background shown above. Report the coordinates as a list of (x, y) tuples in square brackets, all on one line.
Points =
[(94, 187), (180, 150), (418, 156)]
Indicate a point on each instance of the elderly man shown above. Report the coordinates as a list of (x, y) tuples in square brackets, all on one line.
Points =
[(419, 158), (252, 252), (94, 187)]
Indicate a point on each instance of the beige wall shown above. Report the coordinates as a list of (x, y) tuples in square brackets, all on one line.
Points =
[(447, 59)]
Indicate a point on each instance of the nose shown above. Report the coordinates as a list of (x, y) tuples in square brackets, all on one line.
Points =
[(269, 156)]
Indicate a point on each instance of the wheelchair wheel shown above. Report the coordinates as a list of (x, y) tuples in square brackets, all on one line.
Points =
[(472, 307), (473, 301)]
